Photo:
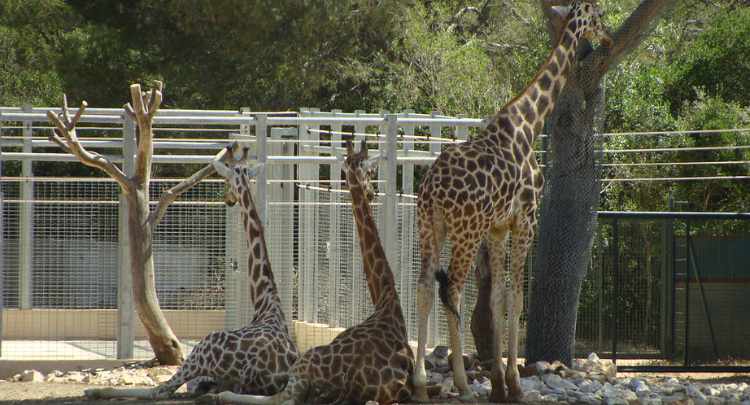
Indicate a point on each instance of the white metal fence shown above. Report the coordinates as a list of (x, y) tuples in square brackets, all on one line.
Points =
[(61, 257)]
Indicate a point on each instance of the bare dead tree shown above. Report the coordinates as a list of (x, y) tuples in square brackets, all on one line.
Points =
[(571, 193), (141, 220)]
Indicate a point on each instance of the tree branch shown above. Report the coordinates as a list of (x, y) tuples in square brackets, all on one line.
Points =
[(169, 196), (554, 23), (144, 106), (65, 128), (630, 34)]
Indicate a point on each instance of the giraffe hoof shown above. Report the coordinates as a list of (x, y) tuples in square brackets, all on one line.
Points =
[(498, 396), (420, 395)]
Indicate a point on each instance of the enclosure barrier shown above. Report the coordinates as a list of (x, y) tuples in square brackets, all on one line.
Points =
[(64, 265)]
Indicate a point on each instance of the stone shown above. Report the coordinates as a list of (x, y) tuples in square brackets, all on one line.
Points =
[(694, 392), (446, 386), (135, 379), (670, 389), (676, 399), (32, 376), (555, 381), (371, 403), (714, 400), (711, 391), (435, 378), (531, 384), (542, 367), (531, 396), (615, 401), (75, 377), (481, 388), (16, 378), (640, 387), (651, 400), (590, 386), (550, 398)]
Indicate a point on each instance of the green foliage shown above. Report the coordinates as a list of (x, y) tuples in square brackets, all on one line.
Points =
[(717, 61)]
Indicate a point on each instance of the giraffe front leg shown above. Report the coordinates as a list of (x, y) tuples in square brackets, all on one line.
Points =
[(498, 242), (523, 235)]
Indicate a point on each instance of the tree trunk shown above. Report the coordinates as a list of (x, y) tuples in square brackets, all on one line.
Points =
[(163, 341), (568, 222), (141, 220), (571, 192), (481, 318)]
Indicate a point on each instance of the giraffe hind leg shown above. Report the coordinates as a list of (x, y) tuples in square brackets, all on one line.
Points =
[(462, 257), (497, 244)]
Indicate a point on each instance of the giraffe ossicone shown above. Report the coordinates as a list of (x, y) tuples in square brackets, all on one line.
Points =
[(489, 188), (256, 358)]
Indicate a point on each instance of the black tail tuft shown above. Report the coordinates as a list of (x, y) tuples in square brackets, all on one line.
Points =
[(443, 284)]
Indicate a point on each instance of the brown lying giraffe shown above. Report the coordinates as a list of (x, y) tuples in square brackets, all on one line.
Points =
[(256, 358), (489, 187), (370, 361)]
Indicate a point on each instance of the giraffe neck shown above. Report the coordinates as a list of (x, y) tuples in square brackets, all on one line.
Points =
[(262, 287), (524, 115), (380, 279)]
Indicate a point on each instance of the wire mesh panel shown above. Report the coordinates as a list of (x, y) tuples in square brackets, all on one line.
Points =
[(72, 272)]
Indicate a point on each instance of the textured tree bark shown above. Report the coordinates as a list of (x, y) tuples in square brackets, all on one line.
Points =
[(571, 193), (141, 220)]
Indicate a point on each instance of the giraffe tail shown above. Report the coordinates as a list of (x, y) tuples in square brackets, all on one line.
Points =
[(443, 284)]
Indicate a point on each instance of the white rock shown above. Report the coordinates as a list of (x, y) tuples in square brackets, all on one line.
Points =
[(446, 386), (651, 400), (715, 400), (695, 393), (593, 357), (134, 379), (588, 398), (532, 383), (372, 403), (590, 386), (481, 388), (555, 381), (32, 376), (541, 367), (615, 401), (16, 378), (531, 396), (670, 389), (711, 391), (676, 399), (550, 398), (746, 402), (435, 378), (640, 387), (75, 377), (673, 381)]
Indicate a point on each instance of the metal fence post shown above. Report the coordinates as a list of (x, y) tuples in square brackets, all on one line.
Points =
[(616, 284), (261, 139), (358, 279), (390, 229), (334, 256), (435, 318), (407, 291), (2, 244), (26, 214), (125, 305), (688, 242)]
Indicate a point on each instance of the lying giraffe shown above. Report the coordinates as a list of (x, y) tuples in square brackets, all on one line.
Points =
[(370, 361), (256, 358), (489, 187)]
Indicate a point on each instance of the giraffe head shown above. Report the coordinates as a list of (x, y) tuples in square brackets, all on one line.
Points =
[(232, 168), (584, 18), (359, 168)]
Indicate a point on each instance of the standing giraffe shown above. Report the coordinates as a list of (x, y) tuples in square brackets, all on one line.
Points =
[(370, 361), (254, 359), (489, 187)]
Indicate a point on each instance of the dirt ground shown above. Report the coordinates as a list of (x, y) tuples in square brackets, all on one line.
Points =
[(59, 394), (27, 393)]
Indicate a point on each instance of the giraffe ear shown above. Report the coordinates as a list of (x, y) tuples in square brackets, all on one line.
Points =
[(255, 170), (349, 148), (222, 169)]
